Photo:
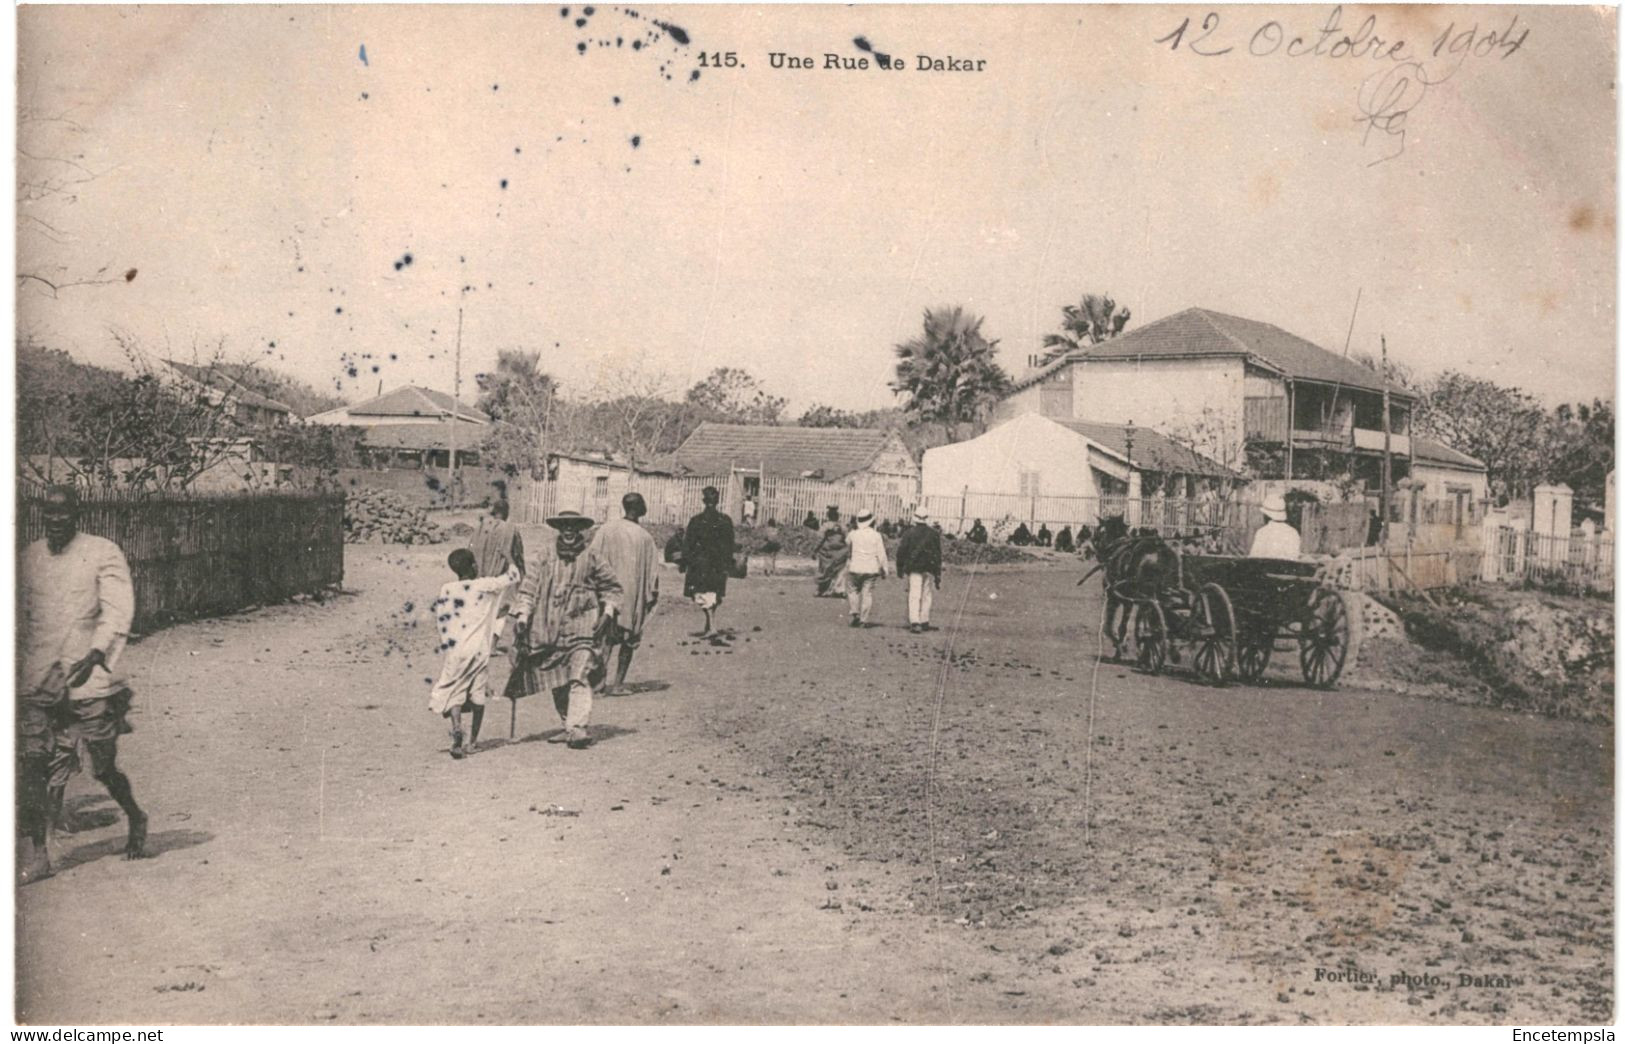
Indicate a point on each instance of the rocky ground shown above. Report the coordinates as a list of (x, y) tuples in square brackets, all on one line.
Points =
[(801, 822)]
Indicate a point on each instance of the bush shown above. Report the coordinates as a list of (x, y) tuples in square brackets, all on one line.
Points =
[(376, 516)]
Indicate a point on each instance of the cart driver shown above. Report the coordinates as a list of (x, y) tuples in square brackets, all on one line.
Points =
[(1277, 539)]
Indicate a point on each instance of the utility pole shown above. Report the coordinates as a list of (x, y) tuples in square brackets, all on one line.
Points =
[(1387, 443), (456, 393)]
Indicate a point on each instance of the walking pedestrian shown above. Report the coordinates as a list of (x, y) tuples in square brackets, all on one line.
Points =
[(467, 615), (919, 558), (76, 603), (630, 552), (831, 555), (565, 607), (708, 556), (497, 543), (865, 567)]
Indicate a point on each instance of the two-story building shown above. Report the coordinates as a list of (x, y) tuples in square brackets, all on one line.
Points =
[(1242, 392)]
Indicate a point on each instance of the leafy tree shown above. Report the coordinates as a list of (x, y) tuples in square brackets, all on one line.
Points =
[(1500, 426), (525, 406), (1095, 318), (948, 373), (141, 432), (820, 416), (517, 391), (1579, 450), (733, 396)]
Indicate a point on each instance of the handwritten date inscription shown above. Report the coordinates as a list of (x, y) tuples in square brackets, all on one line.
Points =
[(1401, 72)]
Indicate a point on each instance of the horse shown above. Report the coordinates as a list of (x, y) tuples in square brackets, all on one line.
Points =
[(1137, 564)]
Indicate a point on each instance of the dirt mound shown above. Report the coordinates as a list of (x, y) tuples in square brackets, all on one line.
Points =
[(1523, 650)]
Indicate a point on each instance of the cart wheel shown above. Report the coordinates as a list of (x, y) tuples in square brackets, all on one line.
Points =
[(1325, 639), (1214, 635), (1150, 637), (1253, 658)]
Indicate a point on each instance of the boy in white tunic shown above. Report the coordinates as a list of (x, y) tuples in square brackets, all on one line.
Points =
[(466, 615)]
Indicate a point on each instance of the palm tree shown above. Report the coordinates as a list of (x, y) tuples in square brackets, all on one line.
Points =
[(1093, 319), (948, 372)]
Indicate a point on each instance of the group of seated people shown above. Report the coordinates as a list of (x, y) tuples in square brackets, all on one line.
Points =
[(1022, 536)]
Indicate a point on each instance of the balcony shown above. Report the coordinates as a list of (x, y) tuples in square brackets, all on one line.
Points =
[(1371, 441)]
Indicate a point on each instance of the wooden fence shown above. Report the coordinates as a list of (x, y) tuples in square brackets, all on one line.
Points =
[(676, 499), (1400, 568), (208, 555)]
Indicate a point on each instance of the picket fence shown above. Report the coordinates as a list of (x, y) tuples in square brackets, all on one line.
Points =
[(676, 499), (211, 554)]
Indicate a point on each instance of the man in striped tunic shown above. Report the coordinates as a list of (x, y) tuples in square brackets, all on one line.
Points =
[(565, 609)]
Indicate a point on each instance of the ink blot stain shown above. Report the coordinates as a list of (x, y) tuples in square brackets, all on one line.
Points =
[(580, 22), (495, 86), (587, 11), (637, 139), (637, 45), (504, 182), (564, 12), (677, 32), (364, 55), (339, 310), (129, 277), (696, 161), (862, 44), (616, 99), (581, 48), (695, 75), (365, 96)]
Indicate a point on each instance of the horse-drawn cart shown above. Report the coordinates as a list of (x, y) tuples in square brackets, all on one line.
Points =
[(1230, 613)]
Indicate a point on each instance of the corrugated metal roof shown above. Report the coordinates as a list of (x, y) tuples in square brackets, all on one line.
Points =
[(1439, 453), (1153, 451), (826, 453), (1201, 332), (412, 401)]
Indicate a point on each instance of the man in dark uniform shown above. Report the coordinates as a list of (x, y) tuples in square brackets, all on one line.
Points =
[(708, 556)]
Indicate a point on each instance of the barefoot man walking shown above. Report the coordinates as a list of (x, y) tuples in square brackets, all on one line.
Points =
[(76, 604), (630, 552), (708, 556)]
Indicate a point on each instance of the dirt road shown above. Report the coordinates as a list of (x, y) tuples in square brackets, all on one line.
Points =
[(807, 823)]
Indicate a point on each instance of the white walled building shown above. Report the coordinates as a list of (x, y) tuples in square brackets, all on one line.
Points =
[(1226, 384), (1036, 466)]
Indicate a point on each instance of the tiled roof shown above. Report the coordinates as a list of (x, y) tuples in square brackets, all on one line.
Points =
[(1438, 452), (424, 436), (412, 401), (1200, 332), (826, 453), (1153, 451), (214, 378)]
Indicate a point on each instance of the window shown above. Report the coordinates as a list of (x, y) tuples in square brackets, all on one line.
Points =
[(600, 487), (1029, 482)]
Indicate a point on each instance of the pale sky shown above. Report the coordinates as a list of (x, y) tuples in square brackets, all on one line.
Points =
[(797, 222)]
